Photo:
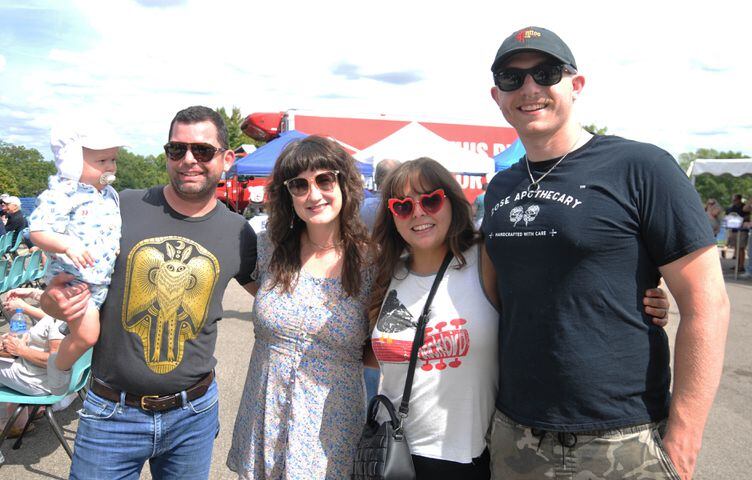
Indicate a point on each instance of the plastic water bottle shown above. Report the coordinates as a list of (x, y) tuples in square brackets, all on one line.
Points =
[(19, 323)]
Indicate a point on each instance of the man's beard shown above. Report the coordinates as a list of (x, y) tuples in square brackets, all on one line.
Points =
[(193, 191)]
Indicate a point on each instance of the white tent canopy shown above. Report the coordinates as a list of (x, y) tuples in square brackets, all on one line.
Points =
[(736, 167), (414, 140)]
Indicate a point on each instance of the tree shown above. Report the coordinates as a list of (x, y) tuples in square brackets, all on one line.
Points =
[(25, 170), (722, 187), (686, 158), (235, 136), (595, 130), (137, 171), (7, 181)]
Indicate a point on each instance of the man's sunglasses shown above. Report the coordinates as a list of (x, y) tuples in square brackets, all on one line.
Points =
[(300, 186), (545, 75), (431, 203), (202, 152)]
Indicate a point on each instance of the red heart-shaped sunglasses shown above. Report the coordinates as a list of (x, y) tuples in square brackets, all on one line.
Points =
[(431, 203)]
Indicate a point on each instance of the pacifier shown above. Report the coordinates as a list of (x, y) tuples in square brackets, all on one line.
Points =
[(107, 178)]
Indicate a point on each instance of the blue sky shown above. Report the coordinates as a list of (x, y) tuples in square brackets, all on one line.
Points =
[(663, 72)]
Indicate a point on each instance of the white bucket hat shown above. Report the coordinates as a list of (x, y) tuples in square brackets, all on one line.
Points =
[(67, 140)]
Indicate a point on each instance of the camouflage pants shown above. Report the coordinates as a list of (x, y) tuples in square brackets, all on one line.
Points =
[(633, 453)]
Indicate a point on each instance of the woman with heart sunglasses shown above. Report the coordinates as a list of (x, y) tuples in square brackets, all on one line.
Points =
[(424, 214), (303, 405)]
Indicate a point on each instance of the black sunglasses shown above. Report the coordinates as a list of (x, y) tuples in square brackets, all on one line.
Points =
[(300, 186), (202, 152), (545, 75)]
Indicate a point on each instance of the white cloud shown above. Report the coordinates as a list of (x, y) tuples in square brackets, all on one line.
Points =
[(67, 57), (21, 115), (648, 79)]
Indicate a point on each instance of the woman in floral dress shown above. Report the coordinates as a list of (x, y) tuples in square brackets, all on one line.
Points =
[(302, 408)]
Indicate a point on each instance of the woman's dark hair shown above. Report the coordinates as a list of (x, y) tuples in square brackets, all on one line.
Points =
[(284, 227), (424, 175)]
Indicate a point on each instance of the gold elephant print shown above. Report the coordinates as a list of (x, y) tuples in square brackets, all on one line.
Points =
[(169, 285)]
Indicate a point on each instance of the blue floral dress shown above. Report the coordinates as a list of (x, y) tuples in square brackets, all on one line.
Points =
[(303, 405)]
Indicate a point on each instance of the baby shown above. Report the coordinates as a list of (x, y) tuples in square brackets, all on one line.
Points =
[(77, 221)]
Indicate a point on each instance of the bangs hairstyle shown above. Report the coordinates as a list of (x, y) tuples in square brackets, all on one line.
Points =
[(284, 227), (424, 175)]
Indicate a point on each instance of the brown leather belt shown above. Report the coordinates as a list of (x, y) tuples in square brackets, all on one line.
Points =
[(153, 403)]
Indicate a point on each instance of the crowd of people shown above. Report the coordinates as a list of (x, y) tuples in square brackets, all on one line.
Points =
[(544, 353), (737, 236)]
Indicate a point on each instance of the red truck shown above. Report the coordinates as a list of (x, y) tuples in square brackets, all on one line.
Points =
[(239, 192), (358, 133)]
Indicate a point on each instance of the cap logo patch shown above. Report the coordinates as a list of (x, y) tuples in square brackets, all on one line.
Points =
[(526, 34)]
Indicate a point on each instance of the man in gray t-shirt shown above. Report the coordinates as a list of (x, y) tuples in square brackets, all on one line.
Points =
[(153, 363)]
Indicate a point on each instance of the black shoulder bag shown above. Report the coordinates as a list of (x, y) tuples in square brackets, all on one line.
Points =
[(383, 452)]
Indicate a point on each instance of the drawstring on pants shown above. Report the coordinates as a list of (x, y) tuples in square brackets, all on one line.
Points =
[(566, 439)]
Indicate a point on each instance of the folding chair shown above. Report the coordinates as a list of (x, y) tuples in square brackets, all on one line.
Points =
[(79, 378), (14, 275), (19, 239), (32, 267), (5, 239), (42, 271), (3, 272)]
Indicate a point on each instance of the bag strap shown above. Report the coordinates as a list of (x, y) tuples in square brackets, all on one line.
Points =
[(419, 331)]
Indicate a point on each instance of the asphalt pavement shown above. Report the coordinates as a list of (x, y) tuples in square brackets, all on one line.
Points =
[(722, 457)]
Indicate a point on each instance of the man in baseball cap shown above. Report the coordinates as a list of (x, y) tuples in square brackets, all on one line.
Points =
[(534, 39), (16, 220), (583, 375)]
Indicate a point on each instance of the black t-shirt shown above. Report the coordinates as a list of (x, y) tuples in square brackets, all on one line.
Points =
[(573, 260), (16, 222), (739, 210), (159, 322)]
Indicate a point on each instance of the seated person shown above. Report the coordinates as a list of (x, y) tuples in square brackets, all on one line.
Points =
[(16, 222), (28, 372)]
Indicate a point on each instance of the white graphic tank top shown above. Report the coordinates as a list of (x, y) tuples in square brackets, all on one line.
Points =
[(455, 383)]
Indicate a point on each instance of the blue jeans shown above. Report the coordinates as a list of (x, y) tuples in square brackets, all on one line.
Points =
[(114, 440), (371, 376)]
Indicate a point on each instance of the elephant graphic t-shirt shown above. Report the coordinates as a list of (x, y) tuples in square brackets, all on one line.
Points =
[(159, 322)]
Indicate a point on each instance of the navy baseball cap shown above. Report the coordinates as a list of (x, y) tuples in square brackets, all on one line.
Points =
[(534, 39)]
